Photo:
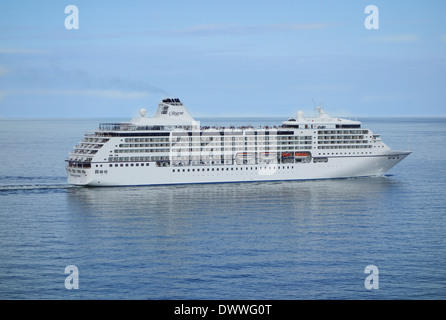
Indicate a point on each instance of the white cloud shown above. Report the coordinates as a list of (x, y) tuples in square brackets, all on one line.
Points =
[(235, 29), (20, 50), (99, 93), (396, 38), (322, 87), (386, 97), (115, 94)]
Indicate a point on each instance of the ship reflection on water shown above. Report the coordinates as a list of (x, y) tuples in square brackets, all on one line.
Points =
[(299, 197)]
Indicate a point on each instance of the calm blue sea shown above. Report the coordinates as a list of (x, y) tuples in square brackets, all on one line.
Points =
[(280, 240)]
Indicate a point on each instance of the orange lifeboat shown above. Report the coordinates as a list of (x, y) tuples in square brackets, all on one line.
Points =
[(301, 154)]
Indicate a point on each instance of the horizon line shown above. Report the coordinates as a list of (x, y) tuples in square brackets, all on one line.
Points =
[(217, 117)]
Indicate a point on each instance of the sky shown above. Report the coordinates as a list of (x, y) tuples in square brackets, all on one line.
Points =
[(222, 58)]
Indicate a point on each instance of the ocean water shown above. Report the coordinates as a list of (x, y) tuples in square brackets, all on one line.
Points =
[(279, 240)]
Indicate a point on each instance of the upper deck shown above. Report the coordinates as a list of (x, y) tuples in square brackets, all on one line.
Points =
[(172, 115)]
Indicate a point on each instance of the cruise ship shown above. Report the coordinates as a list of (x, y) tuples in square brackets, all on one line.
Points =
[(172, 148)]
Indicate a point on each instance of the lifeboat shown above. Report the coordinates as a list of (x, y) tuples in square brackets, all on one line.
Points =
[(267, 154), (245, 155), (301, 154)]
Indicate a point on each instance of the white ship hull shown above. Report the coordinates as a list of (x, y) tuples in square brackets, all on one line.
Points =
[(336, 167)]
